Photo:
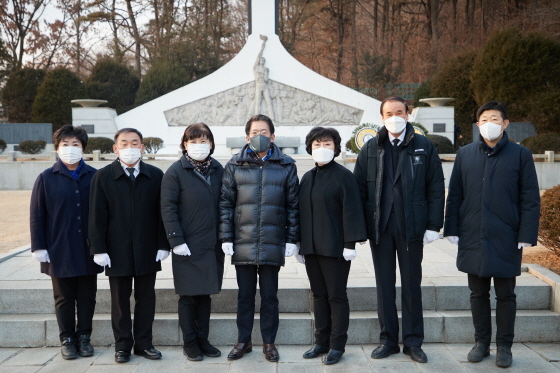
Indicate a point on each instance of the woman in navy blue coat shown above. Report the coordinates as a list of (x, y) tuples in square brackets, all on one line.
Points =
[(59, 231)]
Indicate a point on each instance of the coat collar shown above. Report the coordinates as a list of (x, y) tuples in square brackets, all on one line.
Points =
[(499, 146), (383, 135), (61, 168), (117, 170), (277, 155), (186, 164)]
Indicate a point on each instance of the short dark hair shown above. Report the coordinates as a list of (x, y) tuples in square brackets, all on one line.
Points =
[(258, 118), (127, 130), (492, 105), (196, 131), (393, 98), (321, 134), (68, 131)]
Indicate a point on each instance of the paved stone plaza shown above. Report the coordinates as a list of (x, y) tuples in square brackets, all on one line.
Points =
[(445, 303)]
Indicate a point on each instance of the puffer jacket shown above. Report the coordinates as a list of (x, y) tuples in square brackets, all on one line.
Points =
[(259, 207), (422, 181)]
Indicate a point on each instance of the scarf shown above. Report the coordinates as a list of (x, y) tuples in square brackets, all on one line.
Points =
[(201, 166)]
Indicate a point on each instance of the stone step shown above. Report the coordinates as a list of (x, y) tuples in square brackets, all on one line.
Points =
[(36, 330), (437, 294)]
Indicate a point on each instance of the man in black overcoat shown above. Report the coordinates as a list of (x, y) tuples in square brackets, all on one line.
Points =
[(127, 236), (493, 209), (402, 187)]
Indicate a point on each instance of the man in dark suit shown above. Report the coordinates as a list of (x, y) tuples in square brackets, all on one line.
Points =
[(402, 188), (127, 236)]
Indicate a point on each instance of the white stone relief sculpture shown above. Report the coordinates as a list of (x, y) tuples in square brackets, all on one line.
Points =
[(289, 106)]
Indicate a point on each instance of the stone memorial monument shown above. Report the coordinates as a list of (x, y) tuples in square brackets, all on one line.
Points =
[(263, 78)]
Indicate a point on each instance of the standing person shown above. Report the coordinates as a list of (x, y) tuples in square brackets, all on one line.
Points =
[(332, 221), (127, 236), (190, 196), (59, 231), (401, 185), (493, 210), (259, 225)]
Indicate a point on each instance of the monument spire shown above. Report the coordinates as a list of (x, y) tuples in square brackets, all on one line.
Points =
[(263, 17)]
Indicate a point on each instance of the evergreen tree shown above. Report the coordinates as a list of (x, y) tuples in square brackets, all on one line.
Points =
[(53, 101), (19, 93), (163, 77)]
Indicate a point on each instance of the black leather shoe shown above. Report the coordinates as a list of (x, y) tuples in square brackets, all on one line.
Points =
[(478, 352), (503, 357), (315, 351), (85, 348), (382, 351), (122, 356), (150, 353), (207, 349), (415, 354), (239, 350), (192, 351), (333, 357), (68, 350), (271, 352)]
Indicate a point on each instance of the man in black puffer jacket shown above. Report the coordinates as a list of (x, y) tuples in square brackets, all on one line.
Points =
[(259, 225)]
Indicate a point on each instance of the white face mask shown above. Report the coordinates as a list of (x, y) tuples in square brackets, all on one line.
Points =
[(70, 154), (198, 152), (490, 131), (395, 124), (129, 155), (322, 155)]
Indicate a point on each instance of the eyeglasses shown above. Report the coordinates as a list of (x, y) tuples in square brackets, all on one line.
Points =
[(261, 132)]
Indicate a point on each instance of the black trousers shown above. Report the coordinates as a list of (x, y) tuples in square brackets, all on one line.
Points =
[(328, 278), (247, 283), (392, 242), (74, 295), (144, 311), (506, 308), (194, 317)]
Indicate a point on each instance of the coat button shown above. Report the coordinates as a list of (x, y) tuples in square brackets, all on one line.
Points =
[(77, 191), (79, 217), (79, 231), (77, 204)]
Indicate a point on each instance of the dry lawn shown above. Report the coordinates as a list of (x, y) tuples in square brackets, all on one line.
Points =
[(14, 219)]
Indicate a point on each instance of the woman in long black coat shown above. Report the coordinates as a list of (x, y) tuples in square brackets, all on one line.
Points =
[(59, 231), (331, 221), (190, 195)]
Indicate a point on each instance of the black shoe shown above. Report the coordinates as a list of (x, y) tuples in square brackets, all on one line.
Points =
[(150, 353), (239, 350), (192, 351), (85, 348), (315, 351), (382, 351), (333, 357), (271, 352), (68, 350), (122, 356), (207, 349), (415, 354), (478, 352), (503, 357)]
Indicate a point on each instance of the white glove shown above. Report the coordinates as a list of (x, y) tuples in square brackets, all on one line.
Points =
[(102, 260), (453, 239), (430, 236), (520, 245), (290, 249), (161, 255), (227, 248), (182, 249), (41, 256), (349, 254), (299, 258)]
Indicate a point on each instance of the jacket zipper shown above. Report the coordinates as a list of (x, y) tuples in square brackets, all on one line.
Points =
[(259, 222)]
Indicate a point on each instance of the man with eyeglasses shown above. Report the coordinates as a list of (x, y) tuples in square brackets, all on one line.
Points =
[(259, 226)]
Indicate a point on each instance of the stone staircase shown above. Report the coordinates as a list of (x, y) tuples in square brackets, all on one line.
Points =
[(27, 311)]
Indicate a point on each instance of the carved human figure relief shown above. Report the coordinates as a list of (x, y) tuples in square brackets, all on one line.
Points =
[(261, 84)]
